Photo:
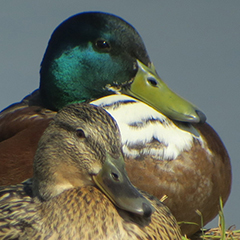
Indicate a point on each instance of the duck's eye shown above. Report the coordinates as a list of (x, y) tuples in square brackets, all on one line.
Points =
[(80, 133), (102, 45), (152, 81)]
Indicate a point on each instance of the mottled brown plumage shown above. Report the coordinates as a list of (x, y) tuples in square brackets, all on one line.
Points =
[(63, 202), (195, 180)]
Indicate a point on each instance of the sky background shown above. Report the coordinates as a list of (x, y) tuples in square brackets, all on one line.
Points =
[(195, 47)]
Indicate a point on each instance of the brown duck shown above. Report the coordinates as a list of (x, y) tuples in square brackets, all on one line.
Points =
[(168, 147), (80, 188)]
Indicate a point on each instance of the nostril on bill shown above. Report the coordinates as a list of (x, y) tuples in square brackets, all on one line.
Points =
[(152, 81)]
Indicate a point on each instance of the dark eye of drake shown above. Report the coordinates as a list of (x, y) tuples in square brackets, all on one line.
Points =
[(102, 45), (80, 133)]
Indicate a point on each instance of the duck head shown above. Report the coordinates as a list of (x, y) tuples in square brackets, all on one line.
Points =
[(82, 147), (94, 54)]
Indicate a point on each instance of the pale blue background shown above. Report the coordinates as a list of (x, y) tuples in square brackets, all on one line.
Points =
[(195, 46)]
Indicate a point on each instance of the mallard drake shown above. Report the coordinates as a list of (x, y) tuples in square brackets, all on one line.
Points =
[(80, 188), (169, 148)]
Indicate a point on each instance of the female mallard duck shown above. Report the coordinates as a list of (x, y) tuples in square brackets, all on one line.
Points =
[(168, 148), (80, 188)]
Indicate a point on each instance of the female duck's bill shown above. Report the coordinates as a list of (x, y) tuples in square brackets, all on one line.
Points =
[(114, 182)]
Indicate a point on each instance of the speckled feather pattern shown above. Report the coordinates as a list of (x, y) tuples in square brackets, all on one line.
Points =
[(81, 213), (62, 201)]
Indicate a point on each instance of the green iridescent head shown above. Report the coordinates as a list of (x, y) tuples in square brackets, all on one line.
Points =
[(94, 54)]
